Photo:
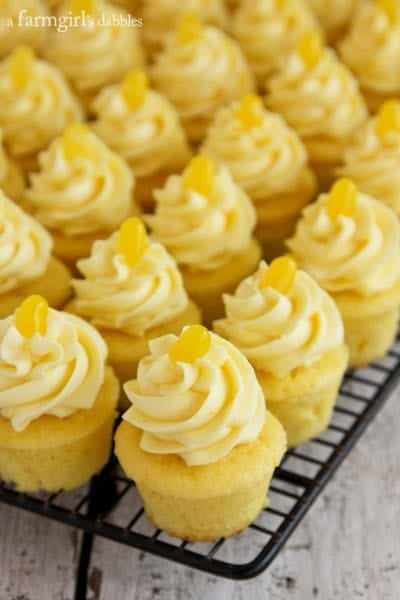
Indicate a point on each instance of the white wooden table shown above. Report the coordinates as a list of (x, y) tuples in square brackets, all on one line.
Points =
[(346, 548)]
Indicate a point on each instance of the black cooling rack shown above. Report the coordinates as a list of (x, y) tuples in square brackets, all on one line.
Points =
[(110, 506)]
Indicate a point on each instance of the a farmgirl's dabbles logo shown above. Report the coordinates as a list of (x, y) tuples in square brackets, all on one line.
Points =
[(69, 20)]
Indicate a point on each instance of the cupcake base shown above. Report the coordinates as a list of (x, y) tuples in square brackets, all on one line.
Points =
[(53, 453), (204, 502)]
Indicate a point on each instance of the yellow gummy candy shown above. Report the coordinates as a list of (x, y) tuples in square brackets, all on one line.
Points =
[(342, 198), (193, 343), (22, 64), (388, 118), (132, 240), (31, 316), (310, 48), (250, 111), (134, 88), (199, 175), (76, 141), (82, 6), (280, 275), (190, 28), (390, 8)]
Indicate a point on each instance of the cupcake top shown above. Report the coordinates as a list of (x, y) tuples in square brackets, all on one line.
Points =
[(140, 124), (195, 396), (372, 46), (202, 217), (51, 363), (25, 246), (94, 53), (130, 283), (315, 93), (281, 319), (82, 186), (36, 102), (264, 155), (348, 242), (268, 29), (21, 13), (200, 69), (335, 15), (12, 180), (373, 161)]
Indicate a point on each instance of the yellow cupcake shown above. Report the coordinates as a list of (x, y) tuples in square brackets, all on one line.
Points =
[(205, 221), (197, 439), (350, 243), (292, 333), (57, 399), (269, 161)]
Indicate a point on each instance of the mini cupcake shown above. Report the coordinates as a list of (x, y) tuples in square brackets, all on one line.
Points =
[(197, 439), (26, 264), (16, 18), (94, 53), (292, 333), (57, 399), (371, 49), (206, 222), (131, 292), (373, 161), (350, 243), (268, 160), (268, 30), (199, 70), (335, 16), (12, 180), (82, 192), (144, 128), (36, 104), (319, 98)]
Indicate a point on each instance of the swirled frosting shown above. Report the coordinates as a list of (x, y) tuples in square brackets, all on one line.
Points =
[(357, 253), (264, 160), (134, 298), (32, 116), (199, 410), (16, 17), (335, 15), (200, 76), (82, 194), (57, 373), (150, 138), (12, 180), (94, 53), (372, 50), (279, 332), (267, 31), (25, 246), (203, 231)]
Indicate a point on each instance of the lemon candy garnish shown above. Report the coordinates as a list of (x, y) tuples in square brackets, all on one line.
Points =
[(199, 175), (22, 62), (31, 316), (280, 275), (82, 6), (193, 343), (310, 48), (190, 28), (250, 111), (388, 118), (342, 198), (76, 141), (390, 8), (132, 240), (134, 88)]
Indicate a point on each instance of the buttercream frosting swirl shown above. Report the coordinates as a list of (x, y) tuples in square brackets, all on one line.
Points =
[(200, 410), (12, 180), (132, 299), (357, 253), (57, 373), (280, 332), (82, 194), (25, 246), (17, 19), (335, 15), (203, 231)]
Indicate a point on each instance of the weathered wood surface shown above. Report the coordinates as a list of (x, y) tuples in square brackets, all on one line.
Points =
[(347, 547)]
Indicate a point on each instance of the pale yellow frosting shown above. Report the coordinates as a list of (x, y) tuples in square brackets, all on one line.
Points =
[(94, 55), (203, 232), (149, 138), (264, 160), (267, 31), (57, 373), (199, 411), (279, 332), (358, 253), (17, 24), (33, 116), (12, 180), (372, 50), (25, 246), (335, 15), (84, 194), (132, 299)]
